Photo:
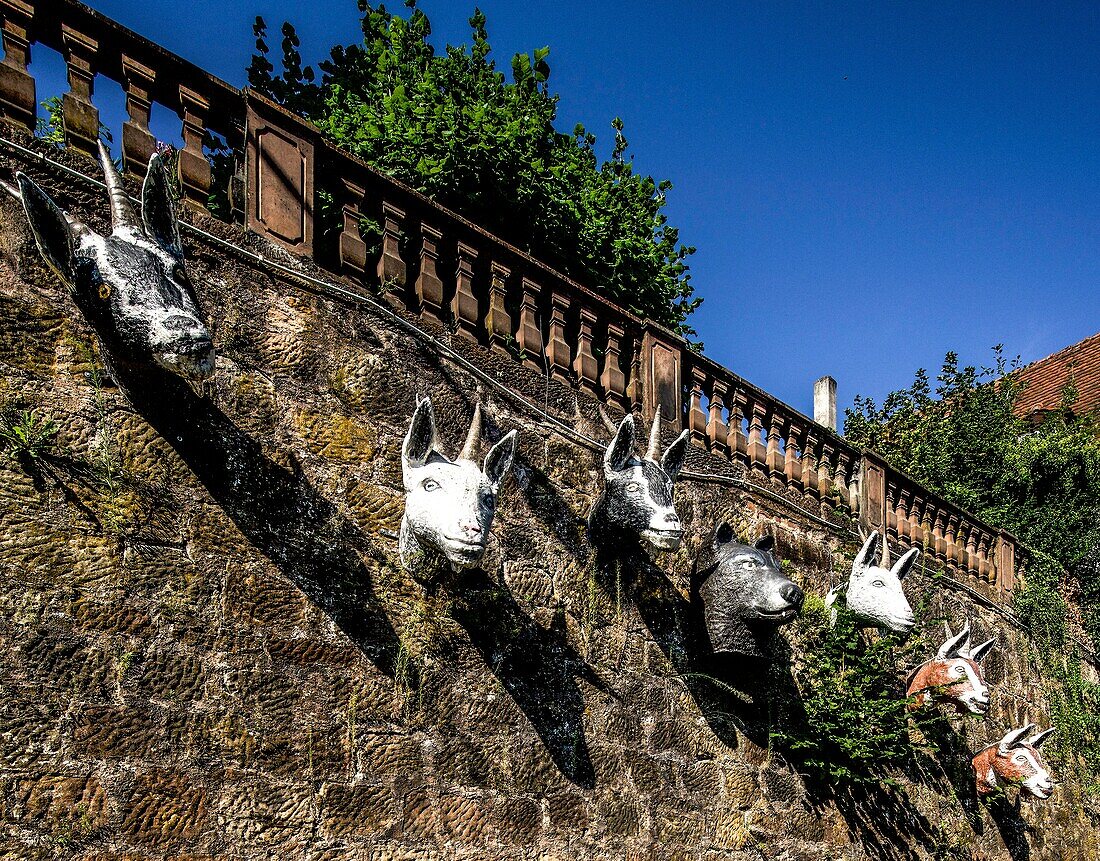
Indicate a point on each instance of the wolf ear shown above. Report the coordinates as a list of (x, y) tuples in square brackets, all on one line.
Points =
[(158, 208), (765, 543), (51, 229), (621, 449), (723, 534)]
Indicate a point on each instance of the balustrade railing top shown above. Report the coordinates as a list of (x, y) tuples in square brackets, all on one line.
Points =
[(375, 230)]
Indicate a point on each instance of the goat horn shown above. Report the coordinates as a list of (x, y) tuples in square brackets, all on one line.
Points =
[(885, 550), (473, 438), (606, 419), (654, 452), (122, 211)]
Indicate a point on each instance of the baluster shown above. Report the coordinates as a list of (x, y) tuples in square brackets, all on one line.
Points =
[(825, 475), (352, 250), (903, 517), (557, 348), (81, 116), (736, 440), (758, 452), (985, 564), (890, 527), (971, 551), (774, 455), (927, 513), (138, 143), (498, 321), (194, 169), (851, 471), (529, 336), (809, 463), (429, 286), (464, 302), (939, 543), (18, 101), (950, 537), (717, 430), (916, 537), (613, 380), (840, 480), (697, 416), (585, 365), (391, 267), (792, 467)]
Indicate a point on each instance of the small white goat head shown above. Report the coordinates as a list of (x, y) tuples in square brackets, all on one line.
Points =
[(449, 504), (132, 284), (1015, 761), (954, 676), (636, 501), (873, 593)]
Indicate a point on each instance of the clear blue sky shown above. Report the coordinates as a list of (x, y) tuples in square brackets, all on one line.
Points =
[(869, 184)]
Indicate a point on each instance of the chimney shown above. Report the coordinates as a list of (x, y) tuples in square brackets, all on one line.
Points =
[(825, 402)]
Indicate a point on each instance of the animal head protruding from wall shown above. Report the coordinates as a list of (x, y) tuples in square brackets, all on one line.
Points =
[(132, 285), (449, 504), (636, 502), (873, 592), (954, 676), (746, 597), (1015, 761)]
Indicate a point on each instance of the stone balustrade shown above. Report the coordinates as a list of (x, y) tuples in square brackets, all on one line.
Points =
[(456, 277)]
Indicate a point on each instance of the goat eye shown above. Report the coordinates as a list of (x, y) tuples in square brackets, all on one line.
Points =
[(104, 290), (430, 484), (959, 671), (489, 500), (179, 274), (878, 583)]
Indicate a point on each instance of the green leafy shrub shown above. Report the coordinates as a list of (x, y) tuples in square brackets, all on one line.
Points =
[(452, 126), (23, 433)]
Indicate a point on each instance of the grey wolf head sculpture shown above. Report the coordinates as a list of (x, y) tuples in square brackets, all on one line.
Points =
[(954, 676), (1015, 761), (636, 501), (449, 504), (746, 597), (873, 593), (131, 285)]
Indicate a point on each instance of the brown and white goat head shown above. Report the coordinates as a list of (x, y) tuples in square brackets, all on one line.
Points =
[(954, 676), (1015, 761), (449, 504)]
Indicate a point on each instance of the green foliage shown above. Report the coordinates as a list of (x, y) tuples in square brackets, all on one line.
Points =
[(455, 128), (1040, 481), (855, 726), (24, 434), (51, 128)]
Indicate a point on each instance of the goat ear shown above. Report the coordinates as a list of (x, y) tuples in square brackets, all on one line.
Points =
[(765, 543), (675, 454), (51, 230), (905, 564), (158, 208), (1013, 738), (1036, 741), (979, 652), (621, 450), (499, 459), (723, 535), (868, 554), (955, 645), (420, 440)]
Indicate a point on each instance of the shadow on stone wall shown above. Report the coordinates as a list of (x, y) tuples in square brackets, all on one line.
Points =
[(277, 509)]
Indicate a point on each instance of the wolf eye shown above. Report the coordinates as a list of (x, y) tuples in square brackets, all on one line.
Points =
[(430, 484), (179, 274), (104, 290), (633, 487)]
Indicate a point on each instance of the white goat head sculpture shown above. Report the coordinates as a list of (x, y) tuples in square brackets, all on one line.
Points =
[(1015, 761), (449, 504), (636, 501), (873, 593), (954, 676), (131, 285)]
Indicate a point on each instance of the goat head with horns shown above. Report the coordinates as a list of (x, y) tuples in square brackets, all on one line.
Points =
[(954, 676), (1015, 761), (873, 593), (449, 504), (636, 501), (132, 285), (746, 597)]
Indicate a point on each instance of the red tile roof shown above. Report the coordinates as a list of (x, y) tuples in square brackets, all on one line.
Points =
[(1046, 378)]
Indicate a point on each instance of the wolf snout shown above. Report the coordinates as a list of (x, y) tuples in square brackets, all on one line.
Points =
[(792, 595)]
